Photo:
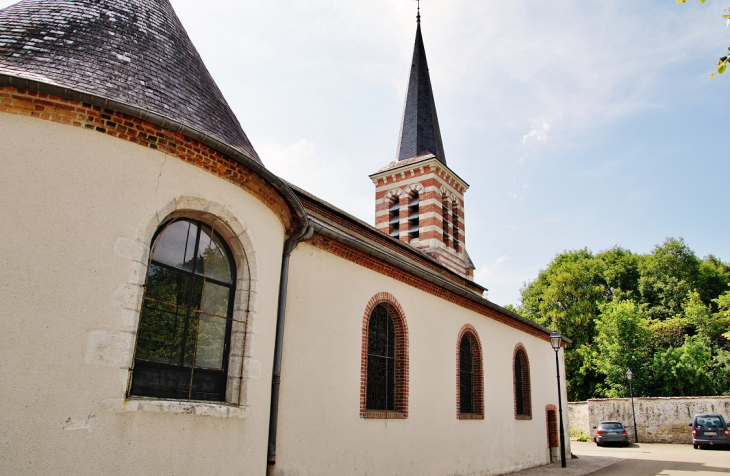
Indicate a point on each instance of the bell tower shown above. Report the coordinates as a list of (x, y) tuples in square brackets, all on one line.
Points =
[(418, 198)]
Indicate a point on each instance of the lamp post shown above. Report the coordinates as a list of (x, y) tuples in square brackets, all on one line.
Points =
[(556, 341), (630, 376)]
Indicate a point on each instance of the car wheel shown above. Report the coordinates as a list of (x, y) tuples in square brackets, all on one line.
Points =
[(696, 446)]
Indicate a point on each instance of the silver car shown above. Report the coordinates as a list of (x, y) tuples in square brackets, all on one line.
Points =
[(611, 432), (709, 429)]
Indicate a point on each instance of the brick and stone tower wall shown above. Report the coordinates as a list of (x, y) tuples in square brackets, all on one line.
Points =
[(421, 201)]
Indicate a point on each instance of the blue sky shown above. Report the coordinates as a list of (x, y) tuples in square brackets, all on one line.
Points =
[(577, 124)]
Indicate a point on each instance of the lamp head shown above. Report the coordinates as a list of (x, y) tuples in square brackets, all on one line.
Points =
[(629, 374), (555, 340)]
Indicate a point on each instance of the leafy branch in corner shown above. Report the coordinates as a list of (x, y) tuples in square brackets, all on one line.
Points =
[(722, 62)]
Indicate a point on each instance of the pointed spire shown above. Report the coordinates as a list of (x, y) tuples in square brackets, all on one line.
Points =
[(420, 126)]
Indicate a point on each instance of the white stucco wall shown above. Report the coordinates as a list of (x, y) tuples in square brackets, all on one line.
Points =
[(320, 430), (78, 211)]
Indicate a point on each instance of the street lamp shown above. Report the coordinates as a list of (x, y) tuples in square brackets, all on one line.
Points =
[(630, 376), (556, 341)]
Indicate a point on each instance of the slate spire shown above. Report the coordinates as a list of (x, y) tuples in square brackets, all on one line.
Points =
[(420, 132)]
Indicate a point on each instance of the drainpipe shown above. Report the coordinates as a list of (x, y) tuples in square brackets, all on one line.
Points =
[(289, 246)]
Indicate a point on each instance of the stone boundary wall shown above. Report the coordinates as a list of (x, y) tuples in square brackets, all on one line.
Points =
[(658, 420)]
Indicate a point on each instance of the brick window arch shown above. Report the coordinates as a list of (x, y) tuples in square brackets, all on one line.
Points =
[(469, 375), (384, 360), (522, 386)]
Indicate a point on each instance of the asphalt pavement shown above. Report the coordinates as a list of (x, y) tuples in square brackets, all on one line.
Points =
[(643, 459)]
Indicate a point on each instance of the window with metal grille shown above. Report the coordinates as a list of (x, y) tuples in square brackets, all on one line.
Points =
[(469, 375), (466, 376), (381, 361), (523, 405), (185, 320)]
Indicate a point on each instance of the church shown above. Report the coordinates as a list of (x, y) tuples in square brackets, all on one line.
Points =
[(170, 306)]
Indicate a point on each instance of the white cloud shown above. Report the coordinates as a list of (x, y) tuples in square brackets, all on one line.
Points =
[(539, 135), (489, 271)]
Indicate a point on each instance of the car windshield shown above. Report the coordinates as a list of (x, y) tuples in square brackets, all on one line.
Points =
[(709, 421), (611, 426)]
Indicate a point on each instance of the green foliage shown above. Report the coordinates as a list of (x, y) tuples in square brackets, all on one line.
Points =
[(622, 342), (663, 315), (723, 61), (576, 434), (684, 371)]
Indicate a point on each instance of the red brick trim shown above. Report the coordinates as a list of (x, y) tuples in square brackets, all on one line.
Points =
[(477, 356), (115, 124), (342, 219), (401, 358), (361, 258), (526, 384), (551, 426)]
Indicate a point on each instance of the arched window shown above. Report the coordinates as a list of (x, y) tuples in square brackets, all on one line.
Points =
[(384, 371), (523, 400), (466, 377), (185, 320), (381, 361), (470, 375)]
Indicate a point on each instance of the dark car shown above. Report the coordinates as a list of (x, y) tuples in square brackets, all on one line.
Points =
[(611, 432), (709, 429)]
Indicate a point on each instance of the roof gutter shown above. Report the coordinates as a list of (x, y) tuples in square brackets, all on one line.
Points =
[(424, 274), (171, 125)]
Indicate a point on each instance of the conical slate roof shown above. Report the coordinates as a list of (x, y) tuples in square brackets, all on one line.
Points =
[(135, 52), (420, 126)]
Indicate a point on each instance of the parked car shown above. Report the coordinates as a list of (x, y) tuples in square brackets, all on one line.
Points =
[(611, 432), (709, 429)]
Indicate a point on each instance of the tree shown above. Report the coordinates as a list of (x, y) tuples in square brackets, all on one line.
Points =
[(684, 371), (566, 297), (668, 274), (723, 61), (622, 343)]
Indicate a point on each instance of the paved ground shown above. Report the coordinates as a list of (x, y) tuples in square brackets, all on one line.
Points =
[(644, 459)]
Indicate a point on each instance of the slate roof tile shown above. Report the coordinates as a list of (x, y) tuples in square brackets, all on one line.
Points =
[(132, 51)]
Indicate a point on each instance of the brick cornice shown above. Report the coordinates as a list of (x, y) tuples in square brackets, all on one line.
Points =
[(359, 257), (45, 106)]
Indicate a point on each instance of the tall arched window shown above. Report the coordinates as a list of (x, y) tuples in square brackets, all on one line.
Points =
[(470, 375), (185, 320), (384, 367), (466, 377), (523, 399), (381, 361)]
